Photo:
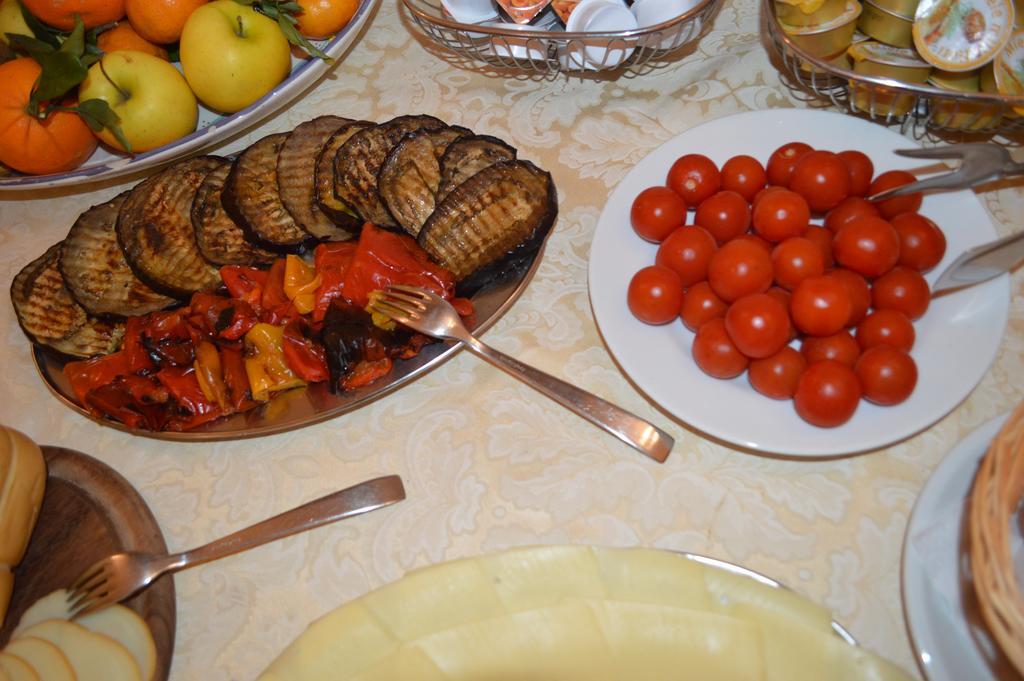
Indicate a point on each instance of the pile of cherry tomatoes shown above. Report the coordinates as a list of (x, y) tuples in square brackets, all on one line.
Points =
[(820, 313)]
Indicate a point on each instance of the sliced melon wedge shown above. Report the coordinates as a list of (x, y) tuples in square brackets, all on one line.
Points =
[(93, 657), (44, 657), (17, 669)]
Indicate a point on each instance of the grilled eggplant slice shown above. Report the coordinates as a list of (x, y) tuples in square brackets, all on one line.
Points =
[(296, 170), (492, 223), (252, 200), (326, 199), (155, 231), (359, 160), (220, 240), (95, 270), (49, 316), (411, 175), (465, 157)]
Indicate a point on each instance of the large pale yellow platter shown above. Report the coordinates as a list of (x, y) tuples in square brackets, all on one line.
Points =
[(567, 613)]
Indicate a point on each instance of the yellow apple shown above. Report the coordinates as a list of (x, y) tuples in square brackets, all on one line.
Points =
[(11, 20), (149, 95), (232, 55)]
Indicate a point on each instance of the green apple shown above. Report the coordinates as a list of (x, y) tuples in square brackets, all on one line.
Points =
[(11, 20), (232, 55), (149, 95)]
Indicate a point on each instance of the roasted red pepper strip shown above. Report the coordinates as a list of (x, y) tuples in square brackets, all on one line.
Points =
[(383, 258), (244, 283), (183, 386), (273, 289), (135, 353), (89, 374), (221, 317), (366, 372), (302, 354), (331, 261), (235, 379)]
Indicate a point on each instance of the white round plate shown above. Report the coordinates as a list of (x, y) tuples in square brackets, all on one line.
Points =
[(213, 127), (956, 340), (940, 607)]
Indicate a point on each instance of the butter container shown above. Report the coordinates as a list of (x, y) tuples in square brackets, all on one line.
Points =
[(960, 114), (905, 8), (842, 60), (827, 39), (1008, 69), (962, 35), (809, 12), (885, 26), (884, 61)]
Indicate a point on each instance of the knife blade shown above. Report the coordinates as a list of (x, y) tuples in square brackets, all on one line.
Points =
[(981, 263)]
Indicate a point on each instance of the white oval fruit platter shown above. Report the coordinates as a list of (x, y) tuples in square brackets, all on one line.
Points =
[(213, 127)]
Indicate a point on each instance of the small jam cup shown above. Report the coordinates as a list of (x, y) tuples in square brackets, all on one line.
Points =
[(600, 16), (809, 12), (885, 26), (960, 114), (828, 39), (900, 64)]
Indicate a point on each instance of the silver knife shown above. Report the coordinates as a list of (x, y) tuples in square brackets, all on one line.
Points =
[(981, 263)]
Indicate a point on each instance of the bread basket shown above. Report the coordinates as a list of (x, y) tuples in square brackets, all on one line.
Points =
[(994, 508)]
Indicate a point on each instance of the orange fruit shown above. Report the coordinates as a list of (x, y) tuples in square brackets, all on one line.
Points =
[(160, 21), (324, 18), (59, 142), (61, 13), (124, 37)]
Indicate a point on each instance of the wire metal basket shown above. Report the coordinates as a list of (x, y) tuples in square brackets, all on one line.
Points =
[(920, 110), (546, 50)]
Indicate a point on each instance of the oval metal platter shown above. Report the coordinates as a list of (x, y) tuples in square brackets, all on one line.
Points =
[(213, 127), (314, 403)]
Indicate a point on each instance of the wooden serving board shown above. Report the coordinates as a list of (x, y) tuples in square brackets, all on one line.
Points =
[(89, 512)]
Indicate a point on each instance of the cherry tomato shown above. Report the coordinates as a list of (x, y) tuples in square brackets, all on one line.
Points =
[(822, 178), (701, 304), (868, 246), (859, 291), (687, 251), (655, 295), (840, 347), (656, 212), (890, 208), (715, 353), (725, 214), (767, 190), (886, 327), (781, 214), (739, 268), (777, 375), (758, 241), (887, 375), (782, 160), (922, 243), (903, 289), (820, 306), (784, 297), (744, 175), (758, 325), (795, 259), (827, 394), (822, 238), (851, 208), (861, 171), (695, 177)]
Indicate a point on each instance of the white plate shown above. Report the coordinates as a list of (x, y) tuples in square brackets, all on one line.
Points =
[(956, 340), (213, 127), (940, 606)]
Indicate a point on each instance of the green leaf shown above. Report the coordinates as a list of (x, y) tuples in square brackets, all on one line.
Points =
[(173, 53), (75, 42), (61, 72), (33, 46), (296, 38), (40, 30), (98, 115)]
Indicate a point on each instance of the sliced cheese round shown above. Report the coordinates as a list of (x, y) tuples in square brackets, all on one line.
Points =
[(93, 657), (52, 606), (17, 669), (127, 628), (44, 657)]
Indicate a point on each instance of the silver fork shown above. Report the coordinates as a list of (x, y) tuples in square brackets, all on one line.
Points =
[(117, 577), (430, 314), (979, 163)]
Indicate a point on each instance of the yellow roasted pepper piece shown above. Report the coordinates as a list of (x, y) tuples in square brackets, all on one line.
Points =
[(379, 320), (264, 362), (300, 283), (210, 374)]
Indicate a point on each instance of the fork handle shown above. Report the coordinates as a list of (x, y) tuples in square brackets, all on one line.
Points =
[(362, 498), (633, 430)]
